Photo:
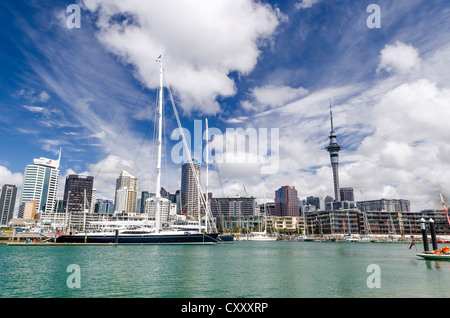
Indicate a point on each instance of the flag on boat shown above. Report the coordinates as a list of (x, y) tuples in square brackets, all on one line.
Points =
[(445, 208)]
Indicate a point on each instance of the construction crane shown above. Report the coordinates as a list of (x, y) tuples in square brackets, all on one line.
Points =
[(246, 194)]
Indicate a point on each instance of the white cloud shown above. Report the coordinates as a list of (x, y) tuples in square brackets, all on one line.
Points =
[(35, 109), (270, 96), (43, 97), (305, 4), (201, 42), (399, 58), (8, 177)]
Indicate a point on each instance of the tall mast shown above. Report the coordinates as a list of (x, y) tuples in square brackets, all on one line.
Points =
[(207, 178), (158, 167)]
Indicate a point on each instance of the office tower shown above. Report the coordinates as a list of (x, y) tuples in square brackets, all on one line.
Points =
[(314, 201), (7, 202), (126, 182), (190, 201), (78, 193), (27, 210), (40, 183), (286, 202), (346, 194), (328, 203), (144, 196), (334, 148)]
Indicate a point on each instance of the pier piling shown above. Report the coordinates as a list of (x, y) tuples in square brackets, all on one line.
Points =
[(423, 229), (433, 234)]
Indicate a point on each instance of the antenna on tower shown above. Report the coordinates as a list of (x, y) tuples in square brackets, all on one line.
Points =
[(331, 118)]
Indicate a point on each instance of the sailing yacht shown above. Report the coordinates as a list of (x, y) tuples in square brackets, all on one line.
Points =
[(262, 236), (151, 232)]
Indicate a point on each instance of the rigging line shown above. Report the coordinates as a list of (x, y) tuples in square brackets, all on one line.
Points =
[(197, 179), (123, 127), (164, 142)]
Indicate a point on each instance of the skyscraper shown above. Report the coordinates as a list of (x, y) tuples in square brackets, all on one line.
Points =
[(129, 184), (346, 194), (7, 202), (74, 193), (334, 148), (40, 183), (286, 202), (190, 201)]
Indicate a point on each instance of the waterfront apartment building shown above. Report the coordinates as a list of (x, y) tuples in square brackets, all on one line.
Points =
[(40, 183), (78, 193), (126, 193), (7, 202), (286, 202), (190, 200), (384, 205), (354, 221), (233, 206)]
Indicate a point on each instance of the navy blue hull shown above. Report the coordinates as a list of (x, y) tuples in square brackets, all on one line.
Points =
[(209, 238), (226, 238)]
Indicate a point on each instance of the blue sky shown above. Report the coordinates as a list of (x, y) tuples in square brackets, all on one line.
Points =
[(241, 64)]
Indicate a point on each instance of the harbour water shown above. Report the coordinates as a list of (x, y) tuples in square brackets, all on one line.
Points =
[(238, 270)]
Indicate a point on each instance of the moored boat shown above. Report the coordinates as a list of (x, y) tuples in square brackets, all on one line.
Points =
[(440, 254), (157, 233)]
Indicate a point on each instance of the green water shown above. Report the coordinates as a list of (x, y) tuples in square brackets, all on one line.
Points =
[(240, 269)]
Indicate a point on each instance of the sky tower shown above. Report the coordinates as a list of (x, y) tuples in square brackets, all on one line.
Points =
[(334, 148)]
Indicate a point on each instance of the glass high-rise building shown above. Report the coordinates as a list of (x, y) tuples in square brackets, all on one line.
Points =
[(78, 193), (7, 202), (40, 183), (190, 200), (286, 202)]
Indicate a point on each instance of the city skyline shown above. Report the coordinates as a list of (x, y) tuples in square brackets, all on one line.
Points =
[(274, 64)]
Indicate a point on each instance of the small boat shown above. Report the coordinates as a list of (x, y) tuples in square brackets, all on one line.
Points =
[(304, 238), (437, 257), (261, 236), (440, 254)]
